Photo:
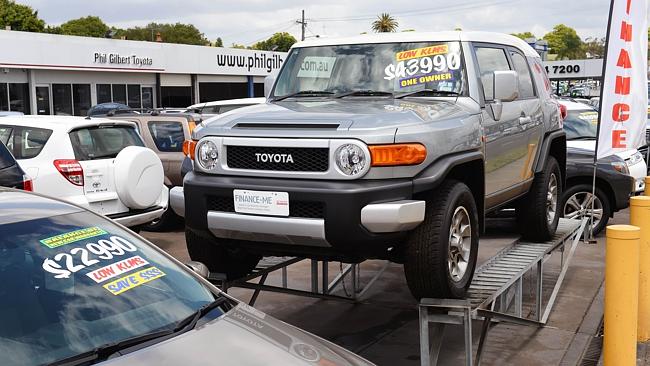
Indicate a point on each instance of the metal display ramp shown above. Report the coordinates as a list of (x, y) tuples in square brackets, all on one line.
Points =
[(495, 294), (497, 286)]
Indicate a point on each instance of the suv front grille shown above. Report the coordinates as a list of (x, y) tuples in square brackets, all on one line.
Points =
[(302, 159), (647, 135), (304, 209)]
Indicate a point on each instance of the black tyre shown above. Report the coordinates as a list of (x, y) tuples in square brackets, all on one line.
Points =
[(166, 222), (539, 212), (440, 254), (235, 263), (576, 204)]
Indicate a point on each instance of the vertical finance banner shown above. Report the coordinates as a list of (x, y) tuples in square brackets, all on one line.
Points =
[(623, 106)]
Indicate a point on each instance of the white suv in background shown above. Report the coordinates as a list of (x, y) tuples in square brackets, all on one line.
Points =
[(96, 163)]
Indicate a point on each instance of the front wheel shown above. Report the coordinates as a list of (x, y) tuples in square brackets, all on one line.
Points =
[(440, 254), (234, 263)]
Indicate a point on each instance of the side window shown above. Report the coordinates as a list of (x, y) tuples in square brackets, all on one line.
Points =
[(168, 136), (490, 59), (526, 88)]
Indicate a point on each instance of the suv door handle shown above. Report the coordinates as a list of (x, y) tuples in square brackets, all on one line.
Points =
[(525, 120)]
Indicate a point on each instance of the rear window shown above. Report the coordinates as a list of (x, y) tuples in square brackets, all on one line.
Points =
[(6, 160), (168, 136), (24, 142), (103, 142)]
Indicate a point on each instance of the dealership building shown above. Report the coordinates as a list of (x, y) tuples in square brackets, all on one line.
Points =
[(55, 74)]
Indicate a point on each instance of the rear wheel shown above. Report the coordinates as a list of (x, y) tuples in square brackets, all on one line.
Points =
[(440, 254), (234, 263), (539, 212), (166, 222)]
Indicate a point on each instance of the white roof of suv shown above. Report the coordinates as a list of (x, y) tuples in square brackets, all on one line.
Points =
[(59, 122), (489, 37)]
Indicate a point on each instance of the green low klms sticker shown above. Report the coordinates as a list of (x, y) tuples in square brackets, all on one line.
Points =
[(72, 236)]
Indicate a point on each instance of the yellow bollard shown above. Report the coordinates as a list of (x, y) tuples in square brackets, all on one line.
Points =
[(647, 186), (640, 216), (621, 295)]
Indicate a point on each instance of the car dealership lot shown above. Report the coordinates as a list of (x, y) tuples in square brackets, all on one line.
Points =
[(383, 326)]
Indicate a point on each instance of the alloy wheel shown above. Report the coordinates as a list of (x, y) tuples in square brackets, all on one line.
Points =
[(551, 199), (578, 206), (460, 244)]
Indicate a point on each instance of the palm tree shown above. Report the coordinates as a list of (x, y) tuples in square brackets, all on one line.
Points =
[(384, 23)]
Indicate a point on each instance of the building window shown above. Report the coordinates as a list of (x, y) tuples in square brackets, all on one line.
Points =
[(258, 89), (62, 99), (15, 97), (81, 99), (4, 97), (209, 92), (147, 97), (134, 96), (104, 93), (176, 96), (119, 93)]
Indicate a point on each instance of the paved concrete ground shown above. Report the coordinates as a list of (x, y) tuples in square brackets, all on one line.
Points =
[(384, 327)]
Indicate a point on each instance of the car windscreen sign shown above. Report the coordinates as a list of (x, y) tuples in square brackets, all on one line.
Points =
[(316, 67)]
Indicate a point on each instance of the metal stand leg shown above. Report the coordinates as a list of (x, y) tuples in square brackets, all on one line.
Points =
[(540, 289), (325, 276), (256, 293), (518, 297), (484, 330), (314, 276), (467, 324), (284, 277)]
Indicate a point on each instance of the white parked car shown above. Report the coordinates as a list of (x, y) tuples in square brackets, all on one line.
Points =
[(208, 109), (581, 126), (96, 163)]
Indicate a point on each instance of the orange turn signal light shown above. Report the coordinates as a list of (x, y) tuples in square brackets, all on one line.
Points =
[(397, 154), (189, 146), (191, 125)]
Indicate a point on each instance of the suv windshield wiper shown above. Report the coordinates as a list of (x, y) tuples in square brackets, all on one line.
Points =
[(305, 93), (364, 93), (426, 91), (105, 351)]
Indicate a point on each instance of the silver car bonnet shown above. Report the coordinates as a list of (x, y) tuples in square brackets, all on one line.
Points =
[(373, 120), (244, 337)]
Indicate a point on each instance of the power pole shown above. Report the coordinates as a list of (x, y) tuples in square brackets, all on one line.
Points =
[(303, 25)]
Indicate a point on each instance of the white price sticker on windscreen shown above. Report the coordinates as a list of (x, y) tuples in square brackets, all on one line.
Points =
[(261, 202), (316, 67)]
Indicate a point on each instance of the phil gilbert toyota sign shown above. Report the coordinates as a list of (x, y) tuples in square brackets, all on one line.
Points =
[(51, 51)]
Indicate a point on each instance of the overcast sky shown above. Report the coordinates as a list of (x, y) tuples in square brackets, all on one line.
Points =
[(248, 21)]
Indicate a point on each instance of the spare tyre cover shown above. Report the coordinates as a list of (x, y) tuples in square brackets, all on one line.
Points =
[(139, 177)]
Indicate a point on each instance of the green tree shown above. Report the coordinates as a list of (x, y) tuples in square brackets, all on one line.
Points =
[(170, 33), (523, 35), (218, 42), (385, 23), (280, 42), (20, 17), (565, 43), (90, 26), (239, 46), (594, 47)]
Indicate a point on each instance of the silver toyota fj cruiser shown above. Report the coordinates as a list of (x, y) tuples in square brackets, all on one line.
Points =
[(390, 146)]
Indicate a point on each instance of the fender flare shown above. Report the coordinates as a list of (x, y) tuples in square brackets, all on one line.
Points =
[(435, 173), (546, 148)]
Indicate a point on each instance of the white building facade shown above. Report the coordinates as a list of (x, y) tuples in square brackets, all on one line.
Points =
[(55, 74)]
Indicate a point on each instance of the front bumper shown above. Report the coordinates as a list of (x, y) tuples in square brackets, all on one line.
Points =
[(352, 219)]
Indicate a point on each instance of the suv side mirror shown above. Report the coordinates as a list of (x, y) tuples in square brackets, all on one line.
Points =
[(199, 268), (505, 88), (268, 85), (505, 85)]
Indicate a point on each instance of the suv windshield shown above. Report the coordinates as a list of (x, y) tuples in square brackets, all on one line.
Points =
[(103, 142), (581, 124), (394, 68), (76, 282)]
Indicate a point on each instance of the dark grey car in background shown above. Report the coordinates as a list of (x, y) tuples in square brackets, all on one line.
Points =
[(79, 289)]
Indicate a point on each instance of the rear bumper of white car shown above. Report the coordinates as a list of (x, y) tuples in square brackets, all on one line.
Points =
[(139, 218), (177, 201)]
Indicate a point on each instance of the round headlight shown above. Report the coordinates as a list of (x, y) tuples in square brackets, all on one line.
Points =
[(351, 159), (207, 155)]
